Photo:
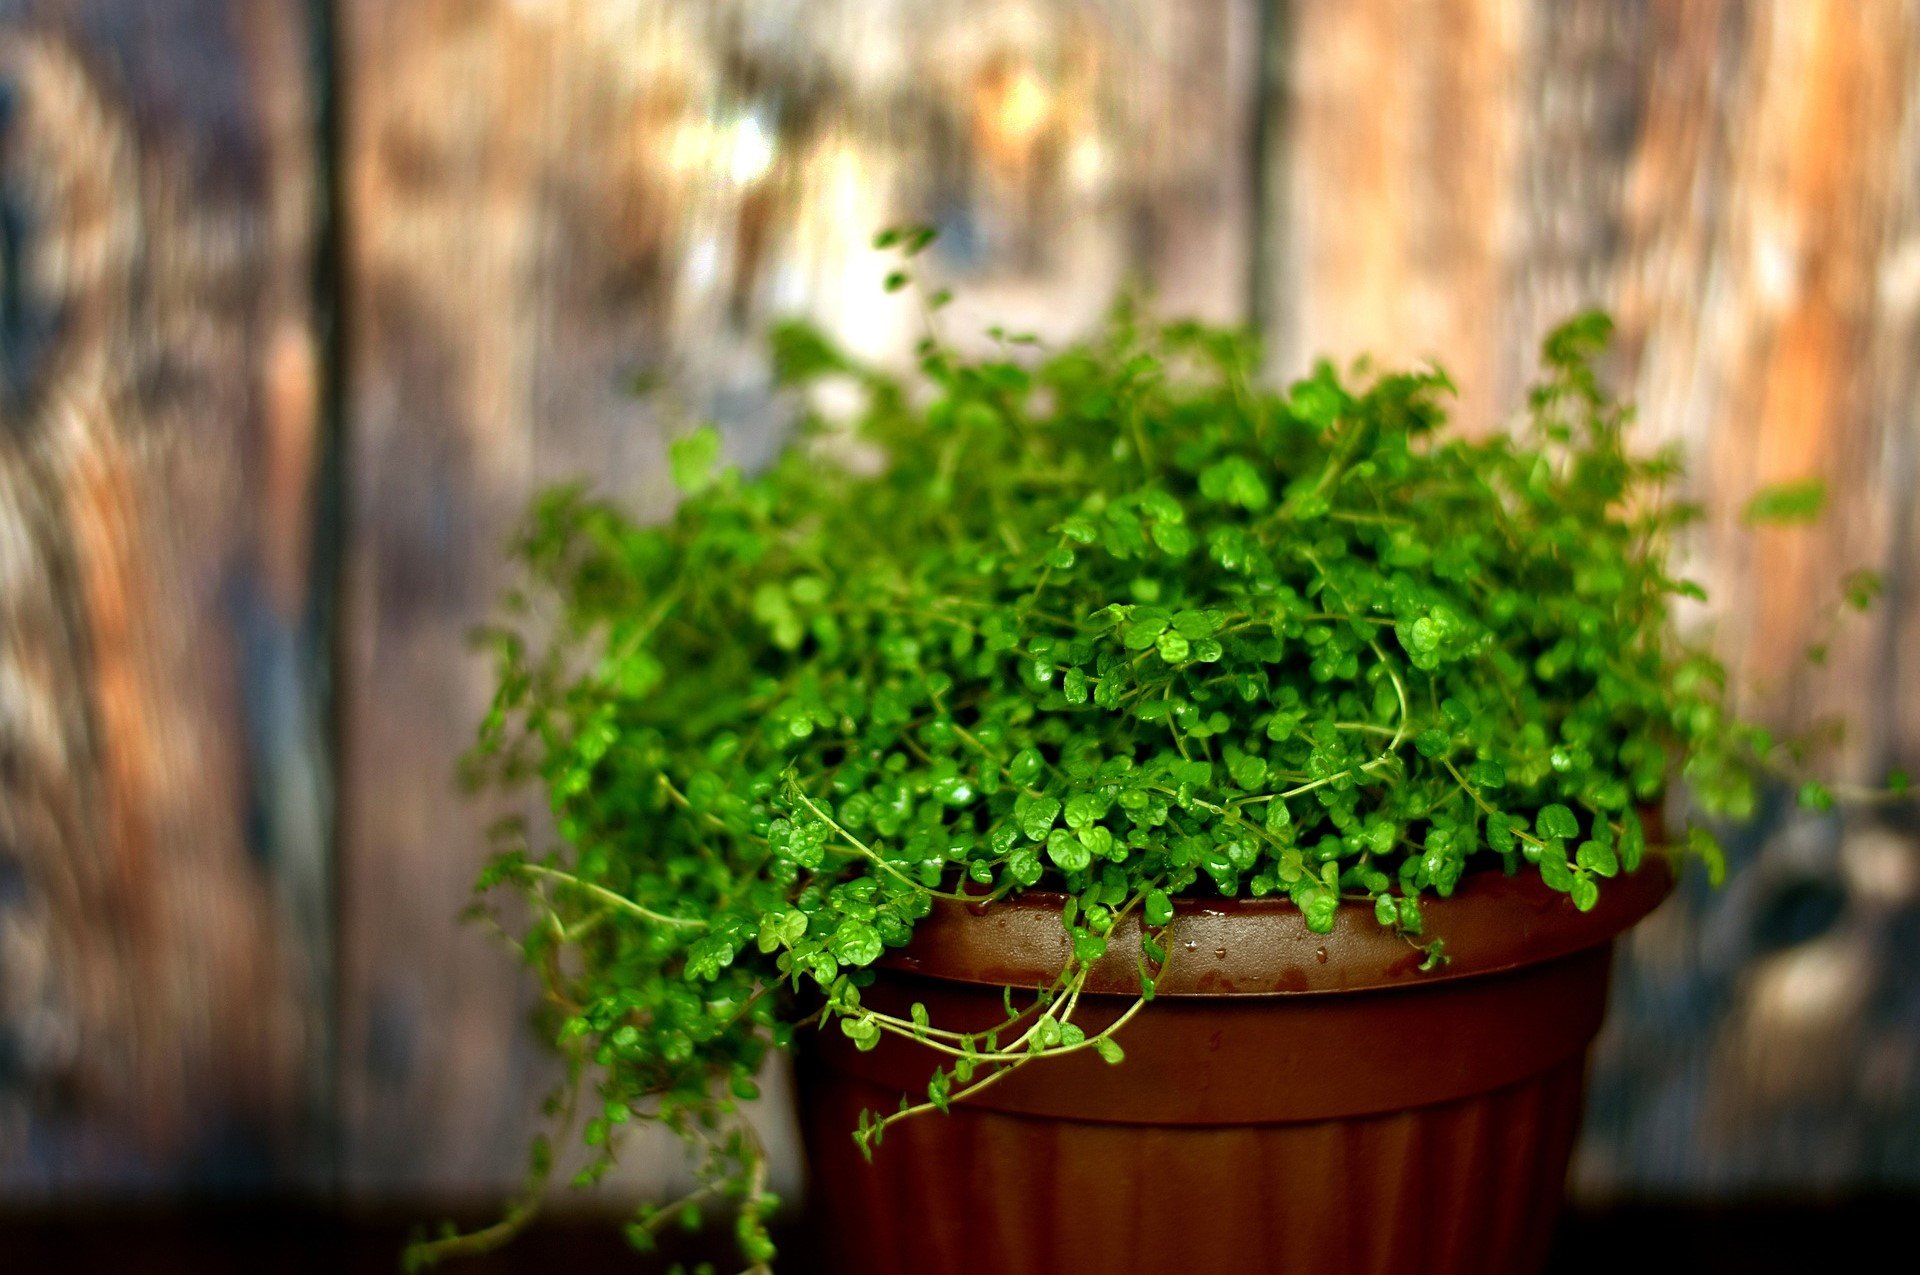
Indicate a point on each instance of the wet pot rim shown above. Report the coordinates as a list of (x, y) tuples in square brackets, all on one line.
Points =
[(1491, 924)]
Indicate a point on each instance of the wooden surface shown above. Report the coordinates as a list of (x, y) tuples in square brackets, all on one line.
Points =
[(548, 203), (1737, 183), (163, 940), (539, 204)]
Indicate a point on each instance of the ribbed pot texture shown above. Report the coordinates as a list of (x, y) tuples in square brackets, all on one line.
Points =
[(1289, 1102)]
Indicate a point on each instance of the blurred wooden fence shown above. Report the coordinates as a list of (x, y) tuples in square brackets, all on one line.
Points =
[(299, 301)]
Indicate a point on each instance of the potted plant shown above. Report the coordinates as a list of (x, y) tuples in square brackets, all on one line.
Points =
[(1218, 801)]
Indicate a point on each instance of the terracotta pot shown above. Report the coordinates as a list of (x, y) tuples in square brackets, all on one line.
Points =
[(1288, 1102)]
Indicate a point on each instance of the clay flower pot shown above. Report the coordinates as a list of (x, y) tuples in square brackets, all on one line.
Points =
[(1288, 1102)]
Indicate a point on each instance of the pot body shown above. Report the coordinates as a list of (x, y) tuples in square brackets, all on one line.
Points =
[(1288, 1102)]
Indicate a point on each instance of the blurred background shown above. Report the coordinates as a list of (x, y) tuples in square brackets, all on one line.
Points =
[(301, 299)]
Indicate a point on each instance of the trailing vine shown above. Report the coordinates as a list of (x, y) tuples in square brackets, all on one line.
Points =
[(1120, 620)]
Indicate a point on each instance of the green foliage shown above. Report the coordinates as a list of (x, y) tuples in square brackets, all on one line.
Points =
[(1119, 621), (1802, 501)]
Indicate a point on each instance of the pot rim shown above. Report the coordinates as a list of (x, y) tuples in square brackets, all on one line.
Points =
[(1492, 923)]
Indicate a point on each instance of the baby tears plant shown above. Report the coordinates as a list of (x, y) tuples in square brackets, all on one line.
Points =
[(1120, 621)]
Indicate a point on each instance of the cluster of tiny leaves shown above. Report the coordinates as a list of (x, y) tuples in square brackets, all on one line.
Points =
[(1120, 621)]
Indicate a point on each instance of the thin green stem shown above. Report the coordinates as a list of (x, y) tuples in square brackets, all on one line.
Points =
[(610, 897)]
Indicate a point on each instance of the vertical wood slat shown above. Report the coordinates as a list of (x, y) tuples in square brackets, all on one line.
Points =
[(162, 903), (1765, 227), (1735, 181), (1758, 230), (549, 200), (1732, 179), (1398, 217)]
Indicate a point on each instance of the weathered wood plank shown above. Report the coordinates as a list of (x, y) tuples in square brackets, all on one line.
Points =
[(1772, 195), (1735, 181), (1726, 178), (162, 906), (549, 200), (1752, 289), (1397, 224)]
